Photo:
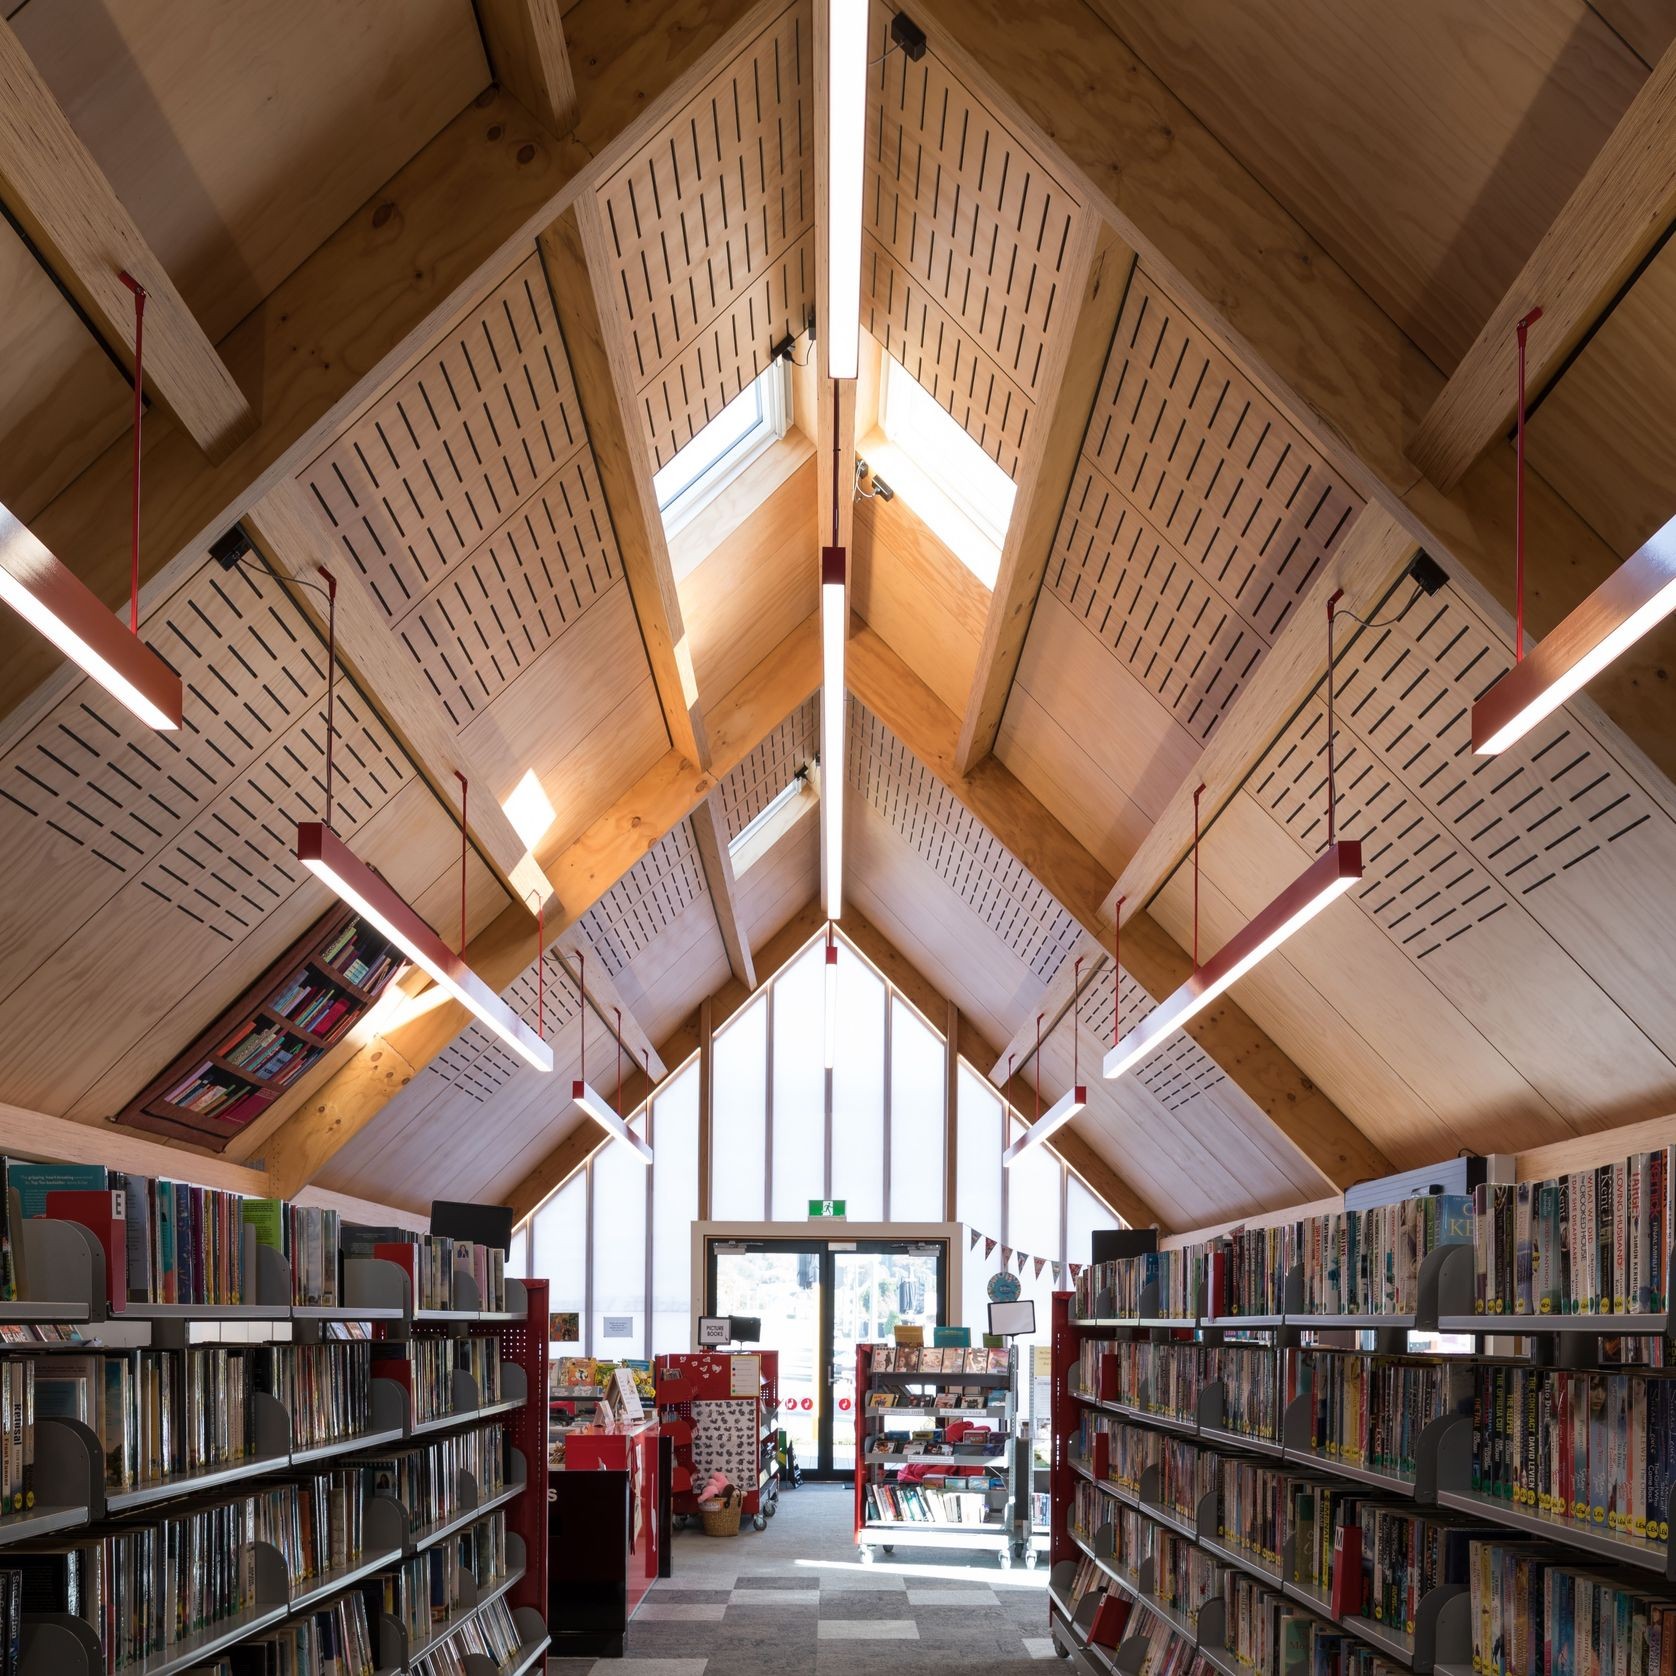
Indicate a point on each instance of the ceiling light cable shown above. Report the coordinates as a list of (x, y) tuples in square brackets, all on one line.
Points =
[(464, 788), (1522, 330), (1332, 723), (1197, 794), (1117, 970), (139, 411), (1039, 1017), (331, 680), (582, 1015), (540, 962), (1076, 985)]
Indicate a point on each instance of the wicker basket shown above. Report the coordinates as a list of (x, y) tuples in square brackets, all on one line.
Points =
[(721, 1518)]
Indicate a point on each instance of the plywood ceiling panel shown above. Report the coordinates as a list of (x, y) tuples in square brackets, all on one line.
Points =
[(1427, 145), (965, 230), (668, 978), (711, 234), (646, 901), (954, 845), (781, 882), (755, 586)]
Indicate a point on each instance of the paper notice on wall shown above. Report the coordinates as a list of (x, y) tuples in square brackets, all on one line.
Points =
[(745, 1377), (628, 1396)]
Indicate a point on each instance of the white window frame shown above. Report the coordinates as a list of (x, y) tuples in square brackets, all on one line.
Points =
[(773, 389)]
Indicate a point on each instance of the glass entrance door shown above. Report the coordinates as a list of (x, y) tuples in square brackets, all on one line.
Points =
[(817, 1299)]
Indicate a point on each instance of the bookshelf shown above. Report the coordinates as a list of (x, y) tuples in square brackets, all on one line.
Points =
[(496, 1613), (918, 1396), (271, 1036)]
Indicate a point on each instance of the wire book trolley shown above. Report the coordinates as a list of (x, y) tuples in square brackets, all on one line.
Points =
[(937, 1464)]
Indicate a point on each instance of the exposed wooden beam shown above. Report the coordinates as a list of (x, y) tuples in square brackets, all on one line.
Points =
[(60, 197), (528, 55), (576, 251), (664, 796), (1031, 834), (711, 838), (584, 1138), (291, 533), (1097, 269), (1625, 203), (426, 249), (969, 1044), (32, 1134), (1340, 369)]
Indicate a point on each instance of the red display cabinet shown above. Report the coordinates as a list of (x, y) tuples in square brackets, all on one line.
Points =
[(720, 1413), (603, 1522)]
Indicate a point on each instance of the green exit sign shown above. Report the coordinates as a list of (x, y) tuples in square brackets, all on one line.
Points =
[(826, 1207)]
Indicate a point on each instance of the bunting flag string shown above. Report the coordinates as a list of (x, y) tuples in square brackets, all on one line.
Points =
[(1006, 1256), (1041, 1263), (1023, 1257), (988, 1247), (972, 1238)]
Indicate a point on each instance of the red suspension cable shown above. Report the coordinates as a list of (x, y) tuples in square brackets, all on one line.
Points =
[(331, 679), (1197, 794), (1117, 971), (464, 789), (1523, 329), (1332, 722), (582, 1015), (139, 410), (1076, 989), (1039, 1017), (540, 963), (619, 1012), (837, 456)]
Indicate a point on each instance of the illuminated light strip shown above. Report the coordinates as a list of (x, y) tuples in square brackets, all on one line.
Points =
[(1634, 599), (834, 626), (332, 861), (1329, 876), (846, 123), (1055, 1117), (51, 599), (593, 1103)]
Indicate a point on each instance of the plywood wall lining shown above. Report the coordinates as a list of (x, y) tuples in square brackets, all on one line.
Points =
[(767, 770)]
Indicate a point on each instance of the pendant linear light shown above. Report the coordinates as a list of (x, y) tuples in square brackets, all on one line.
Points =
[(1068, 1104), (834, 756), (1328, 877), (372, 897), (48, 595), (1632, 601), (583, 1092), (846, 123)]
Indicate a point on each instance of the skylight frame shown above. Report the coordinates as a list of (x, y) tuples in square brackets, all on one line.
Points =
[(709, 470)]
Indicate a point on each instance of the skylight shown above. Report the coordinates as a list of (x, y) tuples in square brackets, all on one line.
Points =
[(942, 473), (754, 420)]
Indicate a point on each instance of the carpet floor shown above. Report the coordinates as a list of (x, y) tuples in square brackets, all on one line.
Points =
[(796, 1598)]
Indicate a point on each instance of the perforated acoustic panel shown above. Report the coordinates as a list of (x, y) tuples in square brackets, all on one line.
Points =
[(1179, 1072), (468, 503), (204, 819), (477, 1064), (1196, 519), (965, 232), (1449, 839), (962, 852), (770, 768), (646, 900), (710, 234)]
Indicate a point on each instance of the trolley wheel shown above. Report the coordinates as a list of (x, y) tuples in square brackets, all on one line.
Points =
[(1005, 1559), (890, 1547), (759, 1521), (773, 1507), (1030, 1557)]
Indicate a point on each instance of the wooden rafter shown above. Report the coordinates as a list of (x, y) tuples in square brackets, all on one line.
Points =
[(1031, 834), (60, 197), (1098, 269), (581, 873), (575, 252), (1622, 206), (528, 54), (711, 838), (290, 533)]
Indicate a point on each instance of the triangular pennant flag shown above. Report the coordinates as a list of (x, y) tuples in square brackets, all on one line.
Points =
[(975, 1237), (1006, 1255), (1058, 1274), (988, 1247), (1041, 1263), (1076, 1271), (1023, 1258)]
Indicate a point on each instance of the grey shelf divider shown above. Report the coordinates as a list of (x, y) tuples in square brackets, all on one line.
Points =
[(64, 1266), (394, 1647)]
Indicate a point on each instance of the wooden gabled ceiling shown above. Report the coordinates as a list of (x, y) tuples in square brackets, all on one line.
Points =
[(1205, 313)]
